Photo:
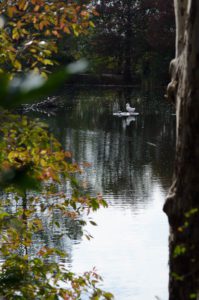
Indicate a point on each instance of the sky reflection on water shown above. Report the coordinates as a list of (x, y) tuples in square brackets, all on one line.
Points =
[(129, 249)]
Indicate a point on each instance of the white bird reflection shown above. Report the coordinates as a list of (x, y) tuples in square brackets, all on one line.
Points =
[(127, 121)]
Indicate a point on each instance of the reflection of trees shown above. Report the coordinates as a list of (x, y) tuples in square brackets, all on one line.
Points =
[(60, 237), (57, 232), (126, 158)]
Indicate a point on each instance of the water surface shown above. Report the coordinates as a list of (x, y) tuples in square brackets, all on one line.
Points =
[(130, 164)]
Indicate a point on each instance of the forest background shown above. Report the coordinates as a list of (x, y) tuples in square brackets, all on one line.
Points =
[(132, 41)]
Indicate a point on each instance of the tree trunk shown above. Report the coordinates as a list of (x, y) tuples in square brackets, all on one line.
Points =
[(182, 203), (127, 73)]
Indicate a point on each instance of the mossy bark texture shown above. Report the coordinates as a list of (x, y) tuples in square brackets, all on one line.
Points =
[(182, 203)]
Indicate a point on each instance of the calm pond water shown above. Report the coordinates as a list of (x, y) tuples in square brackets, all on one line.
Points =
[(131, 166)]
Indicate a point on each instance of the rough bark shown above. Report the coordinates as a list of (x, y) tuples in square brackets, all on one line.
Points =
[(182, 203)]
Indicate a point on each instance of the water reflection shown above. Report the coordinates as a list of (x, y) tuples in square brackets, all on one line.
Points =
[(131, 165), (120, 155)]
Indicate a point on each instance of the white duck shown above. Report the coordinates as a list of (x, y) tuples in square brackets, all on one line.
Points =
[(130, 109)]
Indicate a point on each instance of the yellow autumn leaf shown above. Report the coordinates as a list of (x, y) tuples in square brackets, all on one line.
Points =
[(47, 62), (19, 157), (37, 7), (47, 52), (44, 75), (43, 162), (24, 122), (21, 4), (41, 25), (11, 10), (15, 34), (17, 65), (91, 24), (36, 70), (25, 6), (43, 152), (66, 29), (59, 155), (84, 13)]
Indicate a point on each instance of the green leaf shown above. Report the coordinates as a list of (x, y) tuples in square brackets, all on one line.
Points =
[(93, 223)]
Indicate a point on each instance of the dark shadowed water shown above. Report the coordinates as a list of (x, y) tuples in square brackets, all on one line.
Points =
[(131, 166)]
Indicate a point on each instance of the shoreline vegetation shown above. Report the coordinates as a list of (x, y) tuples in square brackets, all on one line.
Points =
[(112, 80)]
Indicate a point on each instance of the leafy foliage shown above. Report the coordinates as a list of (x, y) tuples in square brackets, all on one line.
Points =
[(31, 159), (31, 29), (24, 278), (32, 165)]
